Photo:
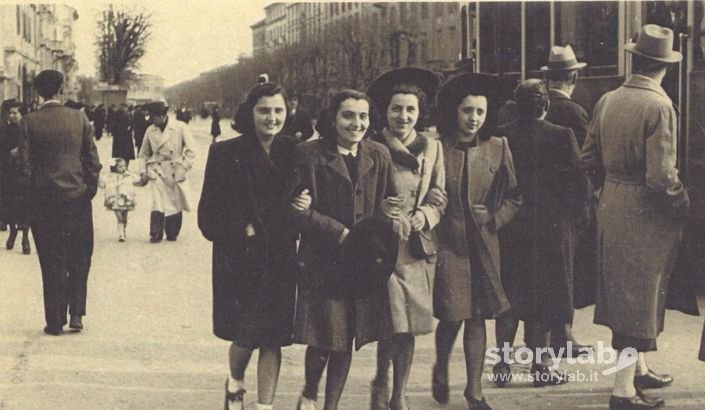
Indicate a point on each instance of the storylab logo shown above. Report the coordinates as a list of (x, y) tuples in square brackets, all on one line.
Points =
[(603, 354)]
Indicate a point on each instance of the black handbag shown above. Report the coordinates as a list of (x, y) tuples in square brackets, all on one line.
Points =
[(423, 243)]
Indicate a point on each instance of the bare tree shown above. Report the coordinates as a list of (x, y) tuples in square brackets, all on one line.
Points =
[(122, 36)]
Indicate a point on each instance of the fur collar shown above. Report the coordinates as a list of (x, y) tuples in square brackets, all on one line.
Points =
[(405, 155)]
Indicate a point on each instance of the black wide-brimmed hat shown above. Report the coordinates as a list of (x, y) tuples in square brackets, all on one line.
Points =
[(156, 108), (367, 258), (496, 89), (426, 80)]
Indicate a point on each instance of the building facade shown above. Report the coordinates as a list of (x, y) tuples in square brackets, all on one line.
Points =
[(418, 33), (35, 37)]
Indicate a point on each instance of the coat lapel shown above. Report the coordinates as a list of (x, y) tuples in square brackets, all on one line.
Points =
[(162, 137), (365, 162), (335, 162)]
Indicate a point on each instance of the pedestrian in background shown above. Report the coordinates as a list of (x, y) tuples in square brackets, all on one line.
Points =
[(166, 157), (119, 186), (215, 122), (60, 191), (403, 96), (13, 197), (99, 115), (139, 125), (110, 120), (123, 145), (482, 197), (246, 199), (298, 121), (349, 178), (643, 205)]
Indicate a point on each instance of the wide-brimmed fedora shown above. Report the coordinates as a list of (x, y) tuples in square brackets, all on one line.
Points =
[(655, 42), (494, 88), (562, 59), (426, 80)]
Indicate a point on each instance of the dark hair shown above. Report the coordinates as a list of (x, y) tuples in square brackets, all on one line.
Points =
[(48, 83), (244, 121), (562, 76), (326, 123), (645, 65), (531, 96), (448, 115), (404, 88)]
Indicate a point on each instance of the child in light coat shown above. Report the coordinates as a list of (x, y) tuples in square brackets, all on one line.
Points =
[(119, 187)]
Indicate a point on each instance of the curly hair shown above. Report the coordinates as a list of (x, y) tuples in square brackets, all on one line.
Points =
[(403, 88), (326, 123), (244, 120)]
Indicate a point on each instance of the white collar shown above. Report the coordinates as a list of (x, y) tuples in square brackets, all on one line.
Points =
[(561, 92), (345, 151), (49, 102)]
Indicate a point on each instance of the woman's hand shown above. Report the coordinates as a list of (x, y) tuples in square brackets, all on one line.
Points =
[(482, 214), (437, 197), (418, 221), (391, 207), (402, 227), (302, 202)]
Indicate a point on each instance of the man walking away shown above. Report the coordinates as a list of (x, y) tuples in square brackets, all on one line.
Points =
[(60, 164)]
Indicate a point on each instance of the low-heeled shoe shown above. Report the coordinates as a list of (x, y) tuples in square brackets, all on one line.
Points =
[(631, 403), (651, 380), (76, 323), (543, 376), (439, 388)]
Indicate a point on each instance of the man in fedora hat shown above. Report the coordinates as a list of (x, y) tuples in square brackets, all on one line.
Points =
[(641, 211), (165, 158), (562, 75), (60, 161)]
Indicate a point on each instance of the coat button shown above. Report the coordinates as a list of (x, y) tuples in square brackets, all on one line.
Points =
[(358, 216), (358, 191)]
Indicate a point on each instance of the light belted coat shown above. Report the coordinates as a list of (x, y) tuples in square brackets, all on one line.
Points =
[(642, 206), (166, 156), (492, 182)]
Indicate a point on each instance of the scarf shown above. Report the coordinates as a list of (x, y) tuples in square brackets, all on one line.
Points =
[(405, 155)]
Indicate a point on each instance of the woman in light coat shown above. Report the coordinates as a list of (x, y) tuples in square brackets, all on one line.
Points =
[(482, 197), (403, 96), (166, 156)]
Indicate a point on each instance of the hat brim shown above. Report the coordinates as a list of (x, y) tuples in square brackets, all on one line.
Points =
[(497, 90), (576, 66), (426, 80), (674, 57)]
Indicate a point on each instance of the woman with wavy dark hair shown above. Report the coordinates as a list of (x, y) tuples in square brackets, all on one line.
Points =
[(403, 96), (482, 197), (349, 178), (245, 205)]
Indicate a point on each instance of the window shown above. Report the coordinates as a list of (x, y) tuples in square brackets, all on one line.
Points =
[(424, 10), (699, 35), (594, 43), (500, 37), (439, 9), (538, 36)]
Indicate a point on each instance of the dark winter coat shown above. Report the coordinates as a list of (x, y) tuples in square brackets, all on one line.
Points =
[(254, 279), (139, 126), (568, 113), (215, 124), (299, 125), (13, 195), (538, 244), (123, 146), (325, 319)]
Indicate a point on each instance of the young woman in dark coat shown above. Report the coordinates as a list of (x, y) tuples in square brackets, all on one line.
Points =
[(349, 179), (246, 198)]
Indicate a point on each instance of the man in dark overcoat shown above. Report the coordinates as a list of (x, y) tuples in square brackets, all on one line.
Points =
[(539, 242), (562, 75), (60, 162)]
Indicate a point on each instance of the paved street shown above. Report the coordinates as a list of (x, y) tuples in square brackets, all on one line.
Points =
[(148, 344)]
